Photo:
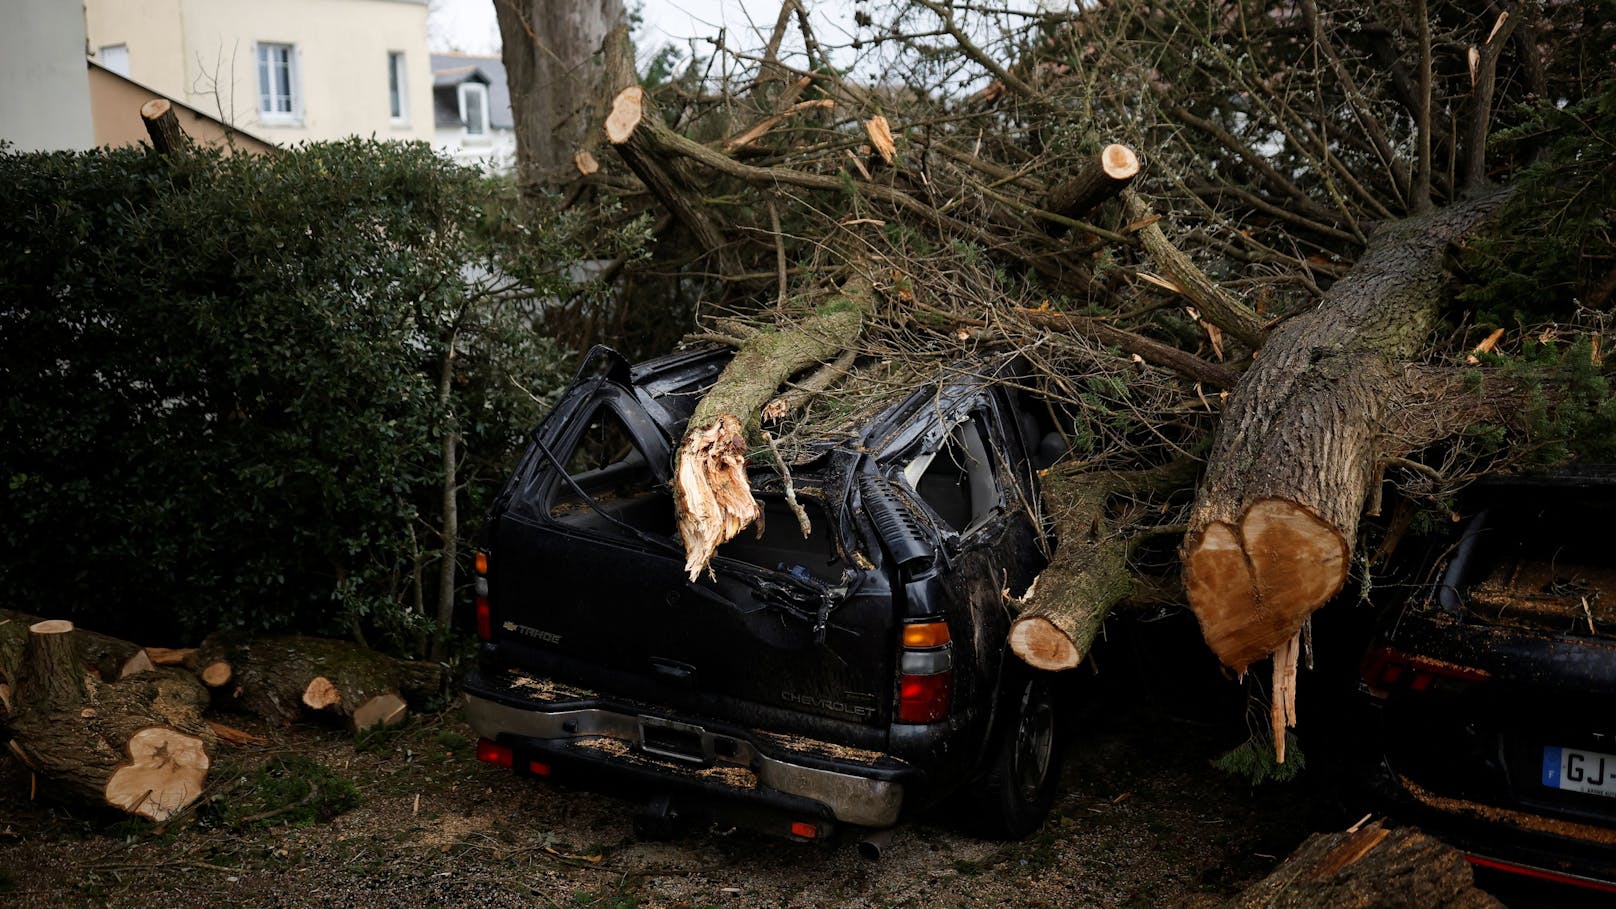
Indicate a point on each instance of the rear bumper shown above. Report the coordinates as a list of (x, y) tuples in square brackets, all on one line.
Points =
[(724, 767), (1462, 757)]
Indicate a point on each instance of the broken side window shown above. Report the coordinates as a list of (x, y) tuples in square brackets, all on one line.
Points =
[(608, 467), (958, 480)]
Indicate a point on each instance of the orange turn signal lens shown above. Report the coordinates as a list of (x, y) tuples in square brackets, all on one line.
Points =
[(925, 634), (482, 562)]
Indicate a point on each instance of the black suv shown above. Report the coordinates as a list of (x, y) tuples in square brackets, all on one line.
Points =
[(1493, 691), (804, 683)]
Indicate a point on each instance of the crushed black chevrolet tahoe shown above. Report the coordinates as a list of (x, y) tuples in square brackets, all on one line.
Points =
[(1492, 691), (803, 684)]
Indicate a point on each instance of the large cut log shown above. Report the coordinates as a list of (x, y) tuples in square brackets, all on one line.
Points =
[(1369, 867), (108, 657), (1060, 615), (1295, 454), (711, 492), (138, 745), (283, 679)]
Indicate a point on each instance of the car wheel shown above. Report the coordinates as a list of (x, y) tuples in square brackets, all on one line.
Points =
[(1012, 797)]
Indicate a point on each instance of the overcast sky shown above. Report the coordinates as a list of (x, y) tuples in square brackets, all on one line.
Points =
[(468, 25)]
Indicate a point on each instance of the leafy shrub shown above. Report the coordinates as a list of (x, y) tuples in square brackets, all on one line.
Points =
[(229, 380)]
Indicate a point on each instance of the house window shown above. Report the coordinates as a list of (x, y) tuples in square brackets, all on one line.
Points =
[(474, 109), (397, 80), (278, 100), (115, 57)]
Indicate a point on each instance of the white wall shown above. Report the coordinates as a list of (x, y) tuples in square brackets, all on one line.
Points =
[(44, 88)]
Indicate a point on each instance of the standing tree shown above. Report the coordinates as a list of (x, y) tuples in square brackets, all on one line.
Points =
[(551, 57)]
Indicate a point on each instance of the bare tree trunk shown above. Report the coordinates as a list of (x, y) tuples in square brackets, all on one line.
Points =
[(550, 60), (449, 531)]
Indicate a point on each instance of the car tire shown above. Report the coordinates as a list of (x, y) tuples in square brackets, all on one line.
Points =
[(1012, 797)]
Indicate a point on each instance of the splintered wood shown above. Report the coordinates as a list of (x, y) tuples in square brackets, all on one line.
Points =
[(1282, 707), (711, 491)]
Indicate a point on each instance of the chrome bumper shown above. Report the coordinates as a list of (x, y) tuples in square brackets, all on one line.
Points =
[(851, 798)]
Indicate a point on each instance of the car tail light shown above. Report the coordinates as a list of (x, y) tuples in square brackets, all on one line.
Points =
[(924, 698), (491, 752), (925, 634), (539, 768), (1386, 669), (805, 830), (485, 620), (485, 612), (925, 672)]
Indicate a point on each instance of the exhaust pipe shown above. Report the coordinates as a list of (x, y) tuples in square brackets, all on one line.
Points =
[(875, 842)]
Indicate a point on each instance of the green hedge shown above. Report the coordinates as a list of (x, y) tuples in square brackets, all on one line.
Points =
[(222, 377)]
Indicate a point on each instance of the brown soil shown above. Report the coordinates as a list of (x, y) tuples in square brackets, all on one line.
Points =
[(1143, 821)]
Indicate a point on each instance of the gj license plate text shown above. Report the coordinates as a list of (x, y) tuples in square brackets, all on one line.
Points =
[(1579, 771)]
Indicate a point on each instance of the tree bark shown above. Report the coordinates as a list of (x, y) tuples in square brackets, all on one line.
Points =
[(138, 745), (449, 527), (163, 126), (550, 64), (1089, 574), (1106, 175), (1216, 305), (633, 127), (1293, 458), (283, 679), (711, 492), (1369, 867), (109, 658)]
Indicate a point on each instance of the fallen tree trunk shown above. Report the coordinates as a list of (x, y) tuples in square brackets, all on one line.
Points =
[(1296, 452), (138, 745), (1060, 615), (108, 657), (1369, 867), (283, 679), (711, 492)]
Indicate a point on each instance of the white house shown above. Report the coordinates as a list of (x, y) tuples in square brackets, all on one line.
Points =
[(472, 111), (288, 70)]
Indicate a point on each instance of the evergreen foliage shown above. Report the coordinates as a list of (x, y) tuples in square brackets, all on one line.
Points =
[(222, 376)]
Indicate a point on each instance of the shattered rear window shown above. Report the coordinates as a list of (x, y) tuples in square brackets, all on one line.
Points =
[(611, 482)]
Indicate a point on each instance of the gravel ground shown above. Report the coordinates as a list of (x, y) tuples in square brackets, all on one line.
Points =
[(1143, 821)]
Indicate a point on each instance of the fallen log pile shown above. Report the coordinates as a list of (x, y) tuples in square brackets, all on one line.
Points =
[(104, 721)]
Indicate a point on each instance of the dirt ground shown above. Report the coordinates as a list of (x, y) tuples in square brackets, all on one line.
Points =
[(1143, 821)]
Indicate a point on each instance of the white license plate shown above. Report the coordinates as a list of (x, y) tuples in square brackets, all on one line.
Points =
[(1579, 771)]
